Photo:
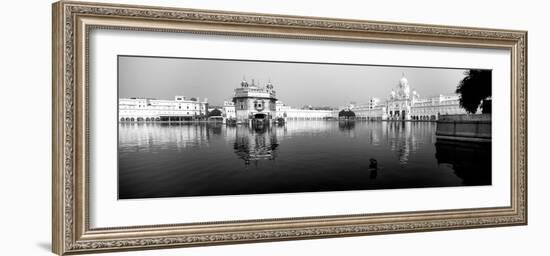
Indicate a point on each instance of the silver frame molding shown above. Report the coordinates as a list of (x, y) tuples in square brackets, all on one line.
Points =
[(72, 22)]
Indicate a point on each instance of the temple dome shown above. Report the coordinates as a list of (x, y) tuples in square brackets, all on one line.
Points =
[(403, 82)]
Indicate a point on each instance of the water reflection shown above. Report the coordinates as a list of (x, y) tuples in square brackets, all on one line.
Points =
[(159, 136), (162, 160), (346, 125), (401, 140), (254, 143), (468, 160), (373, 168)]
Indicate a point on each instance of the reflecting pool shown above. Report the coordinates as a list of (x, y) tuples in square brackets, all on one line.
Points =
[(201, 159)]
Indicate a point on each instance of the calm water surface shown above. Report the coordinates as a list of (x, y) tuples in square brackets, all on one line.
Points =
[(161, 160)]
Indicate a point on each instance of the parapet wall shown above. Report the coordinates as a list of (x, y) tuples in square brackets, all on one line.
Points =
[(464, 127)]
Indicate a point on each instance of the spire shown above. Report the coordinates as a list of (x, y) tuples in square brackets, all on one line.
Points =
[(403, 82), (269, 85), (244, 83)]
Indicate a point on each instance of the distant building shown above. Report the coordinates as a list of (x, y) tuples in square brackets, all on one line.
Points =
[(212, 108), (145, 110), (284, 111), (254, 102), (229, 110), (404, 104)]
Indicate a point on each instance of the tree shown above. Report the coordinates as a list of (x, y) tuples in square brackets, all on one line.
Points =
[(347, 114), (475, 89), (215, 112)]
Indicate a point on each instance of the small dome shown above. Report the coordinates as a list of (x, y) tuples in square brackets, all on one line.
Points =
[(244, 83)]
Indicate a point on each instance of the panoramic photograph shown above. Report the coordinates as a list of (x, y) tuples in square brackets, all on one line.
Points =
[(219, 127)]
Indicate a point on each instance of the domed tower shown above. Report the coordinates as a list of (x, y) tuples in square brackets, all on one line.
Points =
[(404, 87), (400, 102)]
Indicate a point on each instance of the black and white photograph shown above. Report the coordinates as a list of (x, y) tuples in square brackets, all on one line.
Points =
[(216, 127), (275, 127)]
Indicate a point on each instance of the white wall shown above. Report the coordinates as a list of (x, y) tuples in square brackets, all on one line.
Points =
[(25, 127)]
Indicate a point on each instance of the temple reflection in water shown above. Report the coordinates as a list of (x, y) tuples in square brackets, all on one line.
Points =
[(255, 143), (191, 159)]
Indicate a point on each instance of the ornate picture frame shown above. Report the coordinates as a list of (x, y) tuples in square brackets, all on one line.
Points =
[(72, 23)]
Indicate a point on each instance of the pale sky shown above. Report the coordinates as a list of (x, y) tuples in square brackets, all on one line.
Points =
[(296, 84)]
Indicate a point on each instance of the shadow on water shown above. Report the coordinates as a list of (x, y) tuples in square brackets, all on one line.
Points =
[(471, 161)]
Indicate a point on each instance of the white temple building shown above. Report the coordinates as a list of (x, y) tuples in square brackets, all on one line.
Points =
[(254, 102), (406, 104), (144, 109)]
